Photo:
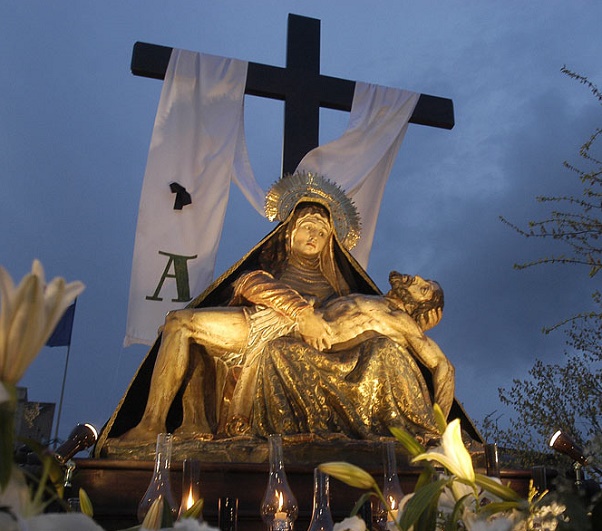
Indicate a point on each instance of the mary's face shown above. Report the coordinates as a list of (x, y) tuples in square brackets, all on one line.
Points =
[(310, 235)]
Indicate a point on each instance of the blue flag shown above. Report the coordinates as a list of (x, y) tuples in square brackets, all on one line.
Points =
[(61, 337)]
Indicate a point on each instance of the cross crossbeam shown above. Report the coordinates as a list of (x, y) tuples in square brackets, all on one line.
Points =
[(300, 85)]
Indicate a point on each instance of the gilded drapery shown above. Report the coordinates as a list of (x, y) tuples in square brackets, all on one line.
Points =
[(359, 392)]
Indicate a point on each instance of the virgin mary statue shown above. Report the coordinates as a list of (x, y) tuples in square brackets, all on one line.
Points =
[(282, 342)]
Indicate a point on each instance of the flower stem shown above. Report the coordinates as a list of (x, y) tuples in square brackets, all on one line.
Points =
[(37, 500)]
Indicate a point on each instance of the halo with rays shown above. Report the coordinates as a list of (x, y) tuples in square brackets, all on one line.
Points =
[(289, 191)]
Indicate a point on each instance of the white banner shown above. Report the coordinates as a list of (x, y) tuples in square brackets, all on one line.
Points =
[(197, 143)]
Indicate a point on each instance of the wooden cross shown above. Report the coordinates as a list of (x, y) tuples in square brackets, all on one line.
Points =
[(300, 85)]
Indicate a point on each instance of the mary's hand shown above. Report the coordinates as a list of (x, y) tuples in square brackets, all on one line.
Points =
[(314, 330), (430, 319)]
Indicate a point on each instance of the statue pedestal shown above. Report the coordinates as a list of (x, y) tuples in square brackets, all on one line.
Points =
[(306, 450), (116, 486)]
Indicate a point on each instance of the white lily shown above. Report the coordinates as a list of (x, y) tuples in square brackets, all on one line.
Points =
[(352, 523), (191, 524), (452, 454), (492, 524), (29, 313), (17, 497), (450, 496), (25, 514), (61, 522)]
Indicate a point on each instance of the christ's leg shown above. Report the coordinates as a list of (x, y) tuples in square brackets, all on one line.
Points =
[(222, 332), (218, 330), (168, 374)]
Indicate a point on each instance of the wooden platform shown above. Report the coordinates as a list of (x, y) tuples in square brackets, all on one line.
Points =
[(116, 486)]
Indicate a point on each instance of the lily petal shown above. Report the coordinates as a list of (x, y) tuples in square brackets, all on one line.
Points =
[(27, 302), (454, 445), (152, 520), (452, 453), (442, 459), (29, 313)]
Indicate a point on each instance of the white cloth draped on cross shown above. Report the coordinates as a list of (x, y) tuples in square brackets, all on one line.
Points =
[(198, 148)]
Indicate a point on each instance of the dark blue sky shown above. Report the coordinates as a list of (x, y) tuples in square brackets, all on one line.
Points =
[(75, 126)]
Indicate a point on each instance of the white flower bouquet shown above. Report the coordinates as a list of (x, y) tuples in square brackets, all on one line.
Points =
[(449, 494)]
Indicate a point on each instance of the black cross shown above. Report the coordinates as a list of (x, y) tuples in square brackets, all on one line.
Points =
[(300, 85)]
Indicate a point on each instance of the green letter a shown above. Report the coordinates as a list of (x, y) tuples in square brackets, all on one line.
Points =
[(180, 266)]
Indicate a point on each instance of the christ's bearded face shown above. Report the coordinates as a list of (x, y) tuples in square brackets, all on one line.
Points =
[(416, 292), (421, 290)]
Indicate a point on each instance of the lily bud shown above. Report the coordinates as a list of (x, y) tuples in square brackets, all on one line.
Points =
[(348, 473)]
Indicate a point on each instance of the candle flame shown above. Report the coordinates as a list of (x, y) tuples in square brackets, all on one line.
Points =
[(281, 514), (190, 501)]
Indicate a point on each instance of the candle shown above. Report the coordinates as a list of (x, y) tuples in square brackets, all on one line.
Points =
[(281, 516), (392, 516), (282, 522), (281, 519)]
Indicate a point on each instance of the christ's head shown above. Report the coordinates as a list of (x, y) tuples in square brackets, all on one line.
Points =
[(417, 294)]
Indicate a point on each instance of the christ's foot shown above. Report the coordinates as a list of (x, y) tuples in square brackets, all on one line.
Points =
[(189, 433), (141, 434)]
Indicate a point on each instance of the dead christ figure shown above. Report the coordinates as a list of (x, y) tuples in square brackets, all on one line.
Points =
[(305, 344)]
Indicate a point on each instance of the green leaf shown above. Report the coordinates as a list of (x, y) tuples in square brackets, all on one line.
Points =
[(412, 446), (428, 519), (457, 512), (440, 418), (51, 470), (7, 431), (420, 502), (495, 488), (167, 517), (425, 477), (85, 503)]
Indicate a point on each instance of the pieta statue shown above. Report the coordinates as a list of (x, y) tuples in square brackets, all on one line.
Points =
[(294, 339)]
